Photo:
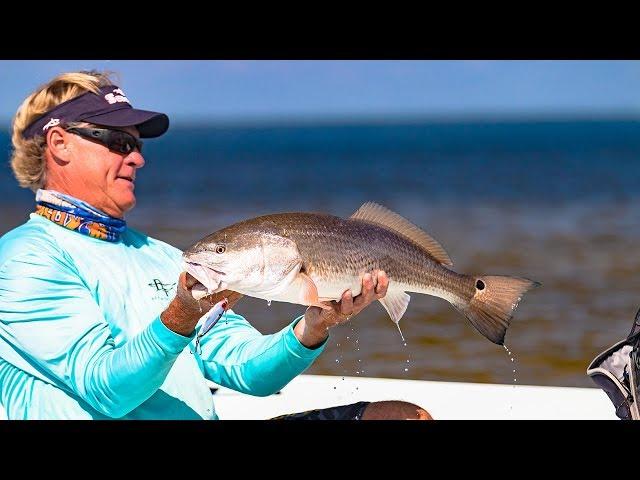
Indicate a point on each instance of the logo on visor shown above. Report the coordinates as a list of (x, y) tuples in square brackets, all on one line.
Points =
[(117, 96), (51, 123)]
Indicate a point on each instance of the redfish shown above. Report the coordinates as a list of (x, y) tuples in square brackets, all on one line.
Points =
[(310, 258)]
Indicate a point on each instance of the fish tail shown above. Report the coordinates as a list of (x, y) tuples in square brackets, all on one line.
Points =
[(491, 308)]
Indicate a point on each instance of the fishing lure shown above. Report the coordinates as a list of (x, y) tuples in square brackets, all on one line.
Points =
[(211, 318)]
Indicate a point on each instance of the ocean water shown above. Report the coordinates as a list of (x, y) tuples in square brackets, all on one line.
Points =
[(554, 201)]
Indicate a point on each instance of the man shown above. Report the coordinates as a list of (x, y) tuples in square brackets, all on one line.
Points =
[(78, 337)]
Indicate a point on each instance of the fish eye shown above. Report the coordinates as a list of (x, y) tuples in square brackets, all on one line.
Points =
[(220, 248)]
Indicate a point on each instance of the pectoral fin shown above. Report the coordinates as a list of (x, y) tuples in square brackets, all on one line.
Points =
[(395, 302), (309, 291)]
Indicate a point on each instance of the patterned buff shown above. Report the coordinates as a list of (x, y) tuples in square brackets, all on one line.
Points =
[(74, 214)]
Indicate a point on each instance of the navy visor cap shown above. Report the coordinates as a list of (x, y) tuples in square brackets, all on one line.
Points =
[(109, 108)]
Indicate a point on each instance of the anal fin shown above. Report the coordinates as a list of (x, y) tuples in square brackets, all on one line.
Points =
[(395, 302)]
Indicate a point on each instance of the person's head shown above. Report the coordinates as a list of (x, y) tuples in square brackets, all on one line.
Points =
[(78, 134)]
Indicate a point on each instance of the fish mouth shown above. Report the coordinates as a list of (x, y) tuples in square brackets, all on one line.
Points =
[(209, 277)]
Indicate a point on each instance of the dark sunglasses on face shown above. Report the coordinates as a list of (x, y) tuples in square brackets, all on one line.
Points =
[(116, 140)]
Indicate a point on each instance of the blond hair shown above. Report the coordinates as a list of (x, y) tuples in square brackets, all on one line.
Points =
[(27, 158)]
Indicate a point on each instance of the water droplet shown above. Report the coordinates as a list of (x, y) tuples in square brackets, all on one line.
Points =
[(515, 380), (359, 360), (343, 378), (357, 372), (405, 344), (402, 336), (358, 349), (268, 303), (406, 369), (347, 338), (337, 361), (407, 360)]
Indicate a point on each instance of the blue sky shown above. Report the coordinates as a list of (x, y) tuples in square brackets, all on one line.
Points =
[(223, 91)]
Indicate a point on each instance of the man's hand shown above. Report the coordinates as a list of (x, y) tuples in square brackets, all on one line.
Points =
[(184, 311), (313, 329)]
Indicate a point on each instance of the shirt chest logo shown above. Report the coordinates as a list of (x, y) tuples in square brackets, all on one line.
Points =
[(161, 290)]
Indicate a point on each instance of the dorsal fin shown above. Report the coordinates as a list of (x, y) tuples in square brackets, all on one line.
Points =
[(374, 213)]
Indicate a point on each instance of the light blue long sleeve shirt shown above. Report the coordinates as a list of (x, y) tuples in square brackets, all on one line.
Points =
[(81, 335)]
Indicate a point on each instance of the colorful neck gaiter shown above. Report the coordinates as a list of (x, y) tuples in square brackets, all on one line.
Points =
[(74, 214)]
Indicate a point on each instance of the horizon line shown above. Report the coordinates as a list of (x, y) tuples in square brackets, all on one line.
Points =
[(390, 119)]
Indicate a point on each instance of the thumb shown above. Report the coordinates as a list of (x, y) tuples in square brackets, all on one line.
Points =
[(187, 280)]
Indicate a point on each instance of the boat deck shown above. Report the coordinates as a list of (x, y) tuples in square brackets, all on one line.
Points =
[(444, 400)]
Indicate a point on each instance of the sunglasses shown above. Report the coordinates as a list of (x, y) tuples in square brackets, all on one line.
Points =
[(116, 140)]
